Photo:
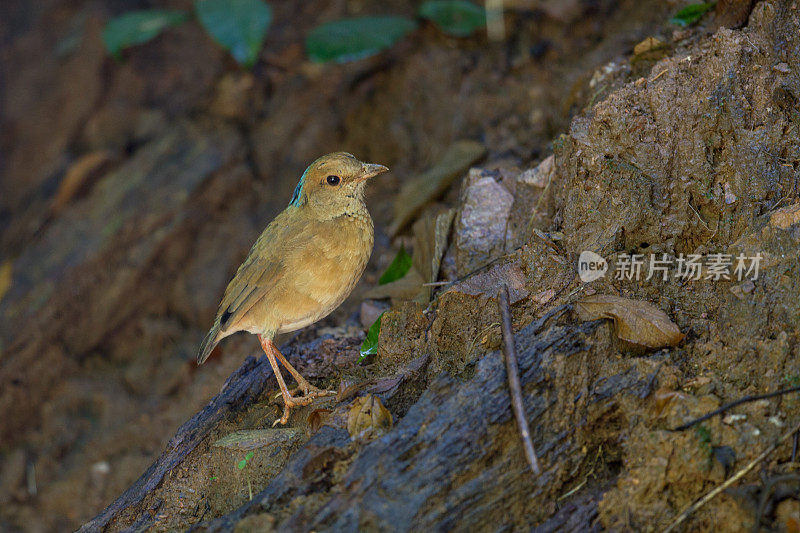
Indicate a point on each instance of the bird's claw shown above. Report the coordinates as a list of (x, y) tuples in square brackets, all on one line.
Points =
[(310, 391), (288, 404)]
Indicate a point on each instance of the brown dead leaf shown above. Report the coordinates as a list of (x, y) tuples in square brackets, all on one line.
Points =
[(317, 418), (405, 288), (250, 439), (81, 175), (347, 389), (368, 418), (636, 322), (434, 182), (647, 45), (488, 283), (6, 269), (430, 234)]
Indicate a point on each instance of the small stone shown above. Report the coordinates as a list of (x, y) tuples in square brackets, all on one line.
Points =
[(729, 196), (540, 175), (101, 468), (99, 473), (733, 418)]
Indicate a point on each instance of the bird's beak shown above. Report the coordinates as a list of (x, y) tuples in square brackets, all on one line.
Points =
[(369, 170)]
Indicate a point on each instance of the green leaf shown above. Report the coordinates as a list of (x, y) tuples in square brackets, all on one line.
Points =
[(400, 266), (457, 18), (691, 13), (239, 26), (243, 462), (138, 27), (355, 38), (370, 344)]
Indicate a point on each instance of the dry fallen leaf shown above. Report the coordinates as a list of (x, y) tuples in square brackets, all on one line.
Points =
[(368, 418), (317, 418), (647, 45), (637, 322), (81, 175), (405, 288), (6, 269), (488, 282), (429, 185), (430, 234), (250, 439)]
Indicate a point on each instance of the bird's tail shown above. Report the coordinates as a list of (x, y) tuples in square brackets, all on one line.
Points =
[(208, 345)]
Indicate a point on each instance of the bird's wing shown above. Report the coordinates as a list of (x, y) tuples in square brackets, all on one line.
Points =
[(262, 270)]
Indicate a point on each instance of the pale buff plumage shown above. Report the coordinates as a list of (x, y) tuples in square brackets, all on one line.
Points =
[(304, 264)]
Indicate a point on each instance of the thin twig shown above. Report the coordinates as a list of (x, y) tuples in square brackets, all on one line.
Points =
[(733, 404), (659, 75), (510, 352), (733, 479)]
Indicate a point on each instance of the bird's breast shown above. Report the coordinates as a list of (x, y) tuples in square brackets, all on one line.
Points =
[(325, 270)]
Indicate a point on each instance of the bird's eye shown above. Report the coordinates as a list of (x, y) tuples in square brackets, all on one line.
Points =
[(332, 180)]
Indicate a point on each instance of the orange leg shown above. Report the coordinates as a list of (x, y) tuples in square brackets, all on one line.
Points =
[(309, 391)]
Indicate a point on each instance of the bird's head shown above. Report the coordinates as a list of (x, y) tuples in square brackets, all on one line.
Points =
[(334, 183)]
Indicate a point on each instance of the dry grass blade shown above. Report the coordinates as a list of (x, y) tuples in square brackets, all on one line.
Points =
[(417, 192)]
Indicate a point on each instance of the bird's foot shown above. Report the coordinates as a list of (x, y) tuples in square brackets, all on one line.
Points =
[(290, 402), (310, 391)]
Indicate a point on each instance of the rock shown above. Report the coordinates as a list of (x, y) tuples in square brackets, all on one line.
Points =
[(732, 13), (481, 225), (785, 216)]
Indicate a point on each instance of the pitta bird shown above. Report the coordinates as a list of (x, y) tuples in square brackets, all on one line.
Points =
[(302, 267)]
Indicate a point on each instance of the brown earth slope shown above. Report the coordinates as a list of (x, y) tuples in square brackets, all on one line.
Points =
[(693, 149)]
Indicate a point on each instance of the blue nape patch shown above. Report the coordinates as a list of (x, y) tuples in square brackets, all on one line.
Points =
[(297, 195)]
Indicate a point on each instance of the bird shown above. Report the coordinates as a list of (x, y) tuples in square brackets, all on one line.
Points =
[(302, 266)]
